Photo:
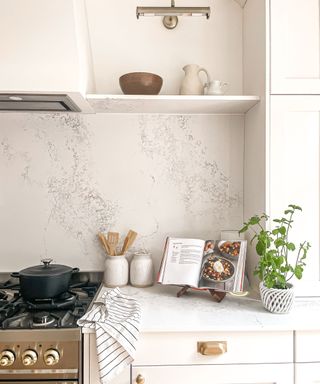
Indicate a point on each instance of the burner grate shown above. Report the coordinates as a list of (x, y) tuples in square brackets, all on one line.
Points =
[(59, 312)]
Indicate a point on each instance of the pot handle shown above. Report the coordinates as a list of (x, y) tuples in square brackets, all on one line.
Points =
[(15, 274), (75, 270)]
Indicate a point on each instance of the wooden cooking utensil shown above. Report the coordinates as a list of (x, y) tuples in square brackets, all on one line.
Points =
[(113, 239), (128, 241), (104, 242)]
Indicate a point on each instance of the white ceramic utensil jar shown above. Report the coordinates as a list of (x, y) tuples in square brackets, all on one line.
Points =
[(141, 270), (116, 272)]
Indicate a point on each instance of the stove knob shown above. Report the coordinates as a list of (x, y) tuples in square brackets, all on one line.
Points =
[(29, 357), (7, 358), (51, 357)]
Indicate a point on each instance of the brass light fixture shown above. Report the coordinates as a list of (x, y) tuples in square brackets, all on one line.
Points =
[(170, 14)]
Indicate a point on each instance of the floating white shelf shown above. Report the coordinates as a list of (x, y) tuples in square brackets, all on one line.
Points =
[(172, 104)]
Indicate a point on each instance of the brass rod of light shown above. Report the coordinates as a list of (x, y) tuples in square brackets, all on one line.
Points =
[(173, 11)]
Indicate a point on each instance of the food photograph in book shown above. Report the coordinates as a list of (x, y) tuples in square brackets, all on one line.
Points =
[(220, 267)]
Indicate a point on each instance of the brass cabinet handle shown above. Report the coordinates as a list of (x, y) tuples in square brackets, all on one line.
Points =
[(212, 347), (140, 379)]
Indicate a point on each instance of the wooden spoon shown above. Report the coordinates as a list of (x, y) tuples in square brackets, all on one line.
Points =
[(113, 239)]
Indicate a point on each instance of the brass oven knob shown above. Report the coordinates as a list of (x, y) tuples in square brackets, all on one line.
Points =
[(51, 357), (140, 379), (7, 358), (29, 357)]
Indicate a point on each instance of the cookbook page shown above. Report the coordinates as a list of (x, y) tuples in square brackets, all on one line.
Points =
[(223, 265), (182, 262)]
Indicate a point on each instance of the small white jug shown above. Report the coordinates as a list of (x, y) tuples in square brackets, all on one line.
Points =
[(192, 84), (216, 87)]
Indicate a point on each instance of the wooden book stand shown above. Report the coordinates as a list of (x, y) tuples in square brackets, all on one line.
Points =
[(218, 296)]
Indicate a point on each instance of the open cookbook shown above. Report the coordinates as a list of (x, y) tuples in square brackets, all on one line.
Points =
[(211, 264)]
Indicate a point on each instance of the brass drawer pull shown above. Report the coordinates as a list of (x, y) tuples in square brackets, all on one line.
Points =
[(140, 379), (212, 347)]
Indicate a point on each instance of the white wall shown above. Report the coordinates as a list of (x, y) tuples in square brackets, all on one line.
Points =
[(65, 177), (121, 43)]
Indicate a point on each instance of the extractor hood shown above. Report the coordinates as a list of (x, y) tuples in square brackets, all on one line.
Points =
[(45, 58)]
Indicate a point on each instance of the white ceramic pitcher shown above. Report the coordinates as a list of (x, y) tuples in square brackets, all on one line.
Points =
[(192, 84)]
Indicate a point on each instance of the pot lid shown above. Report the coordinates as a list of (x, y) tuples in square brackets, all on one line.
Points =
[(46, 269)]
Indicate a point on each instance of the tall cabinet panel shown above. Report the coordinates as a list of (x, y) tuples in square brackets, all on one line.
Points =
[(295, 177), (295, 46)]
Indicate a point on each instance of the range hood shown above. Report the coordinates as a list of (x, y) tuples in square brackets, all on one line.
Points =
[(45, 58)]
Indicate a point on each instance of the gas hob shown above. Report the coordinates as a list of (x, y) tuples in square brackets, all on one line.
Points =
[(40, 339)]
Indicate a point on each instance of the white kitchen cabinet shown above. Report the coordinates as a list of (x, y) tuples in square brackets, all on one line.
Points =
[(307, 344), (295, 46), (295, 175), (307, 357), (218, 374), (174, 358), (307, 373), (251, 357)]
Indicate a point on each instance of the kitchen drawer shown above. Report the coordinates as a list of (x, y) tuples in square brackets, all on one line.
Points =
[(307, 346), (216, 374), (242, 347)]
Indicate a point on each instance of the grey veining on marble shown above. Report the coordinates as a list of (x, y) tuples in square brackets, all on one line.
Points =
[(65, 177), (197, 312)]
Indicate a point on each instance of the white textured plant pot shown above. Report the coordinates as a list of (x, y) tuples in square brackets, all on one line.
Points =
[(277, 300)]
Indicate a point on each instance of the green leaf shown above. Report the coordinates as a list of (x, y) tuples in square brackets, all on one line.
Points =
[(282, 230), (244, 229), (260, 248), (279, 242), (287, 211), (291, 246), (254, 220), (295, 207), (298, 271)]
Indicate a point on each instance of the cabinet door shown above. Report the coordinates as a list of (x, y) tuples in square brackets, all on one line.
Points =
[(294, 175), (219, 374), (307, 373), (295, 47)]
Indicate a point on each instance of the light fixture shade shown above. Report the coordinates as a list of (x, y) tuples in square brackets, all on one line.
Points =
[(173, 11)]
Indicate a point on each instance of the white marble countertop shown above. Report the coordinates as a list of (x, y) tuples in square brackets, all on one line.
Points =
[(162, 311)]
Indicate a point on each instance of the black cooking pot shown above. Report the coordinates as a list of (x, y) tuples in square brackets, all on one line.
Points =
[(44, 281)]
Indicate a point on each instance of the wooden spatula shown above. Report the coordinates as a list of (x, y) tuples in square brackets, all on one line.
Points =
[(113, 239), (128, 241)]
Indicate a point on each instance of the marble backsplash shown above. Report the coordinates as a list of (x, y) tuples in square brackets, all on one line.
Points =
[(65, 177)]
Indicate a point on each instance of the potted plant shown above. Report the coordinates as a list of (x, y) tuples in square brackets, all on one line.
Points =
[(277, 263)]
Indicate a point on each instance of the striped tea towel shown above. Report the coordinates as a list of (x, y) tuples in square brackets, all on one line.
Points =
[(116, 319)]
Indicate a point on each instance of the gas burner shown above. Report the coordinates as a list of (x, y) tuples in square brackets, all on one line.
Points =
[(3, 295), (64, 301), (44, 314), (66, 296), (42, 319)]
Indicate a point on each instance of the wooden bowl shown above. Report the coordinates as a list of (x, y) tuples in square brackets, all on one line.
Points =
[(140, 83)]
